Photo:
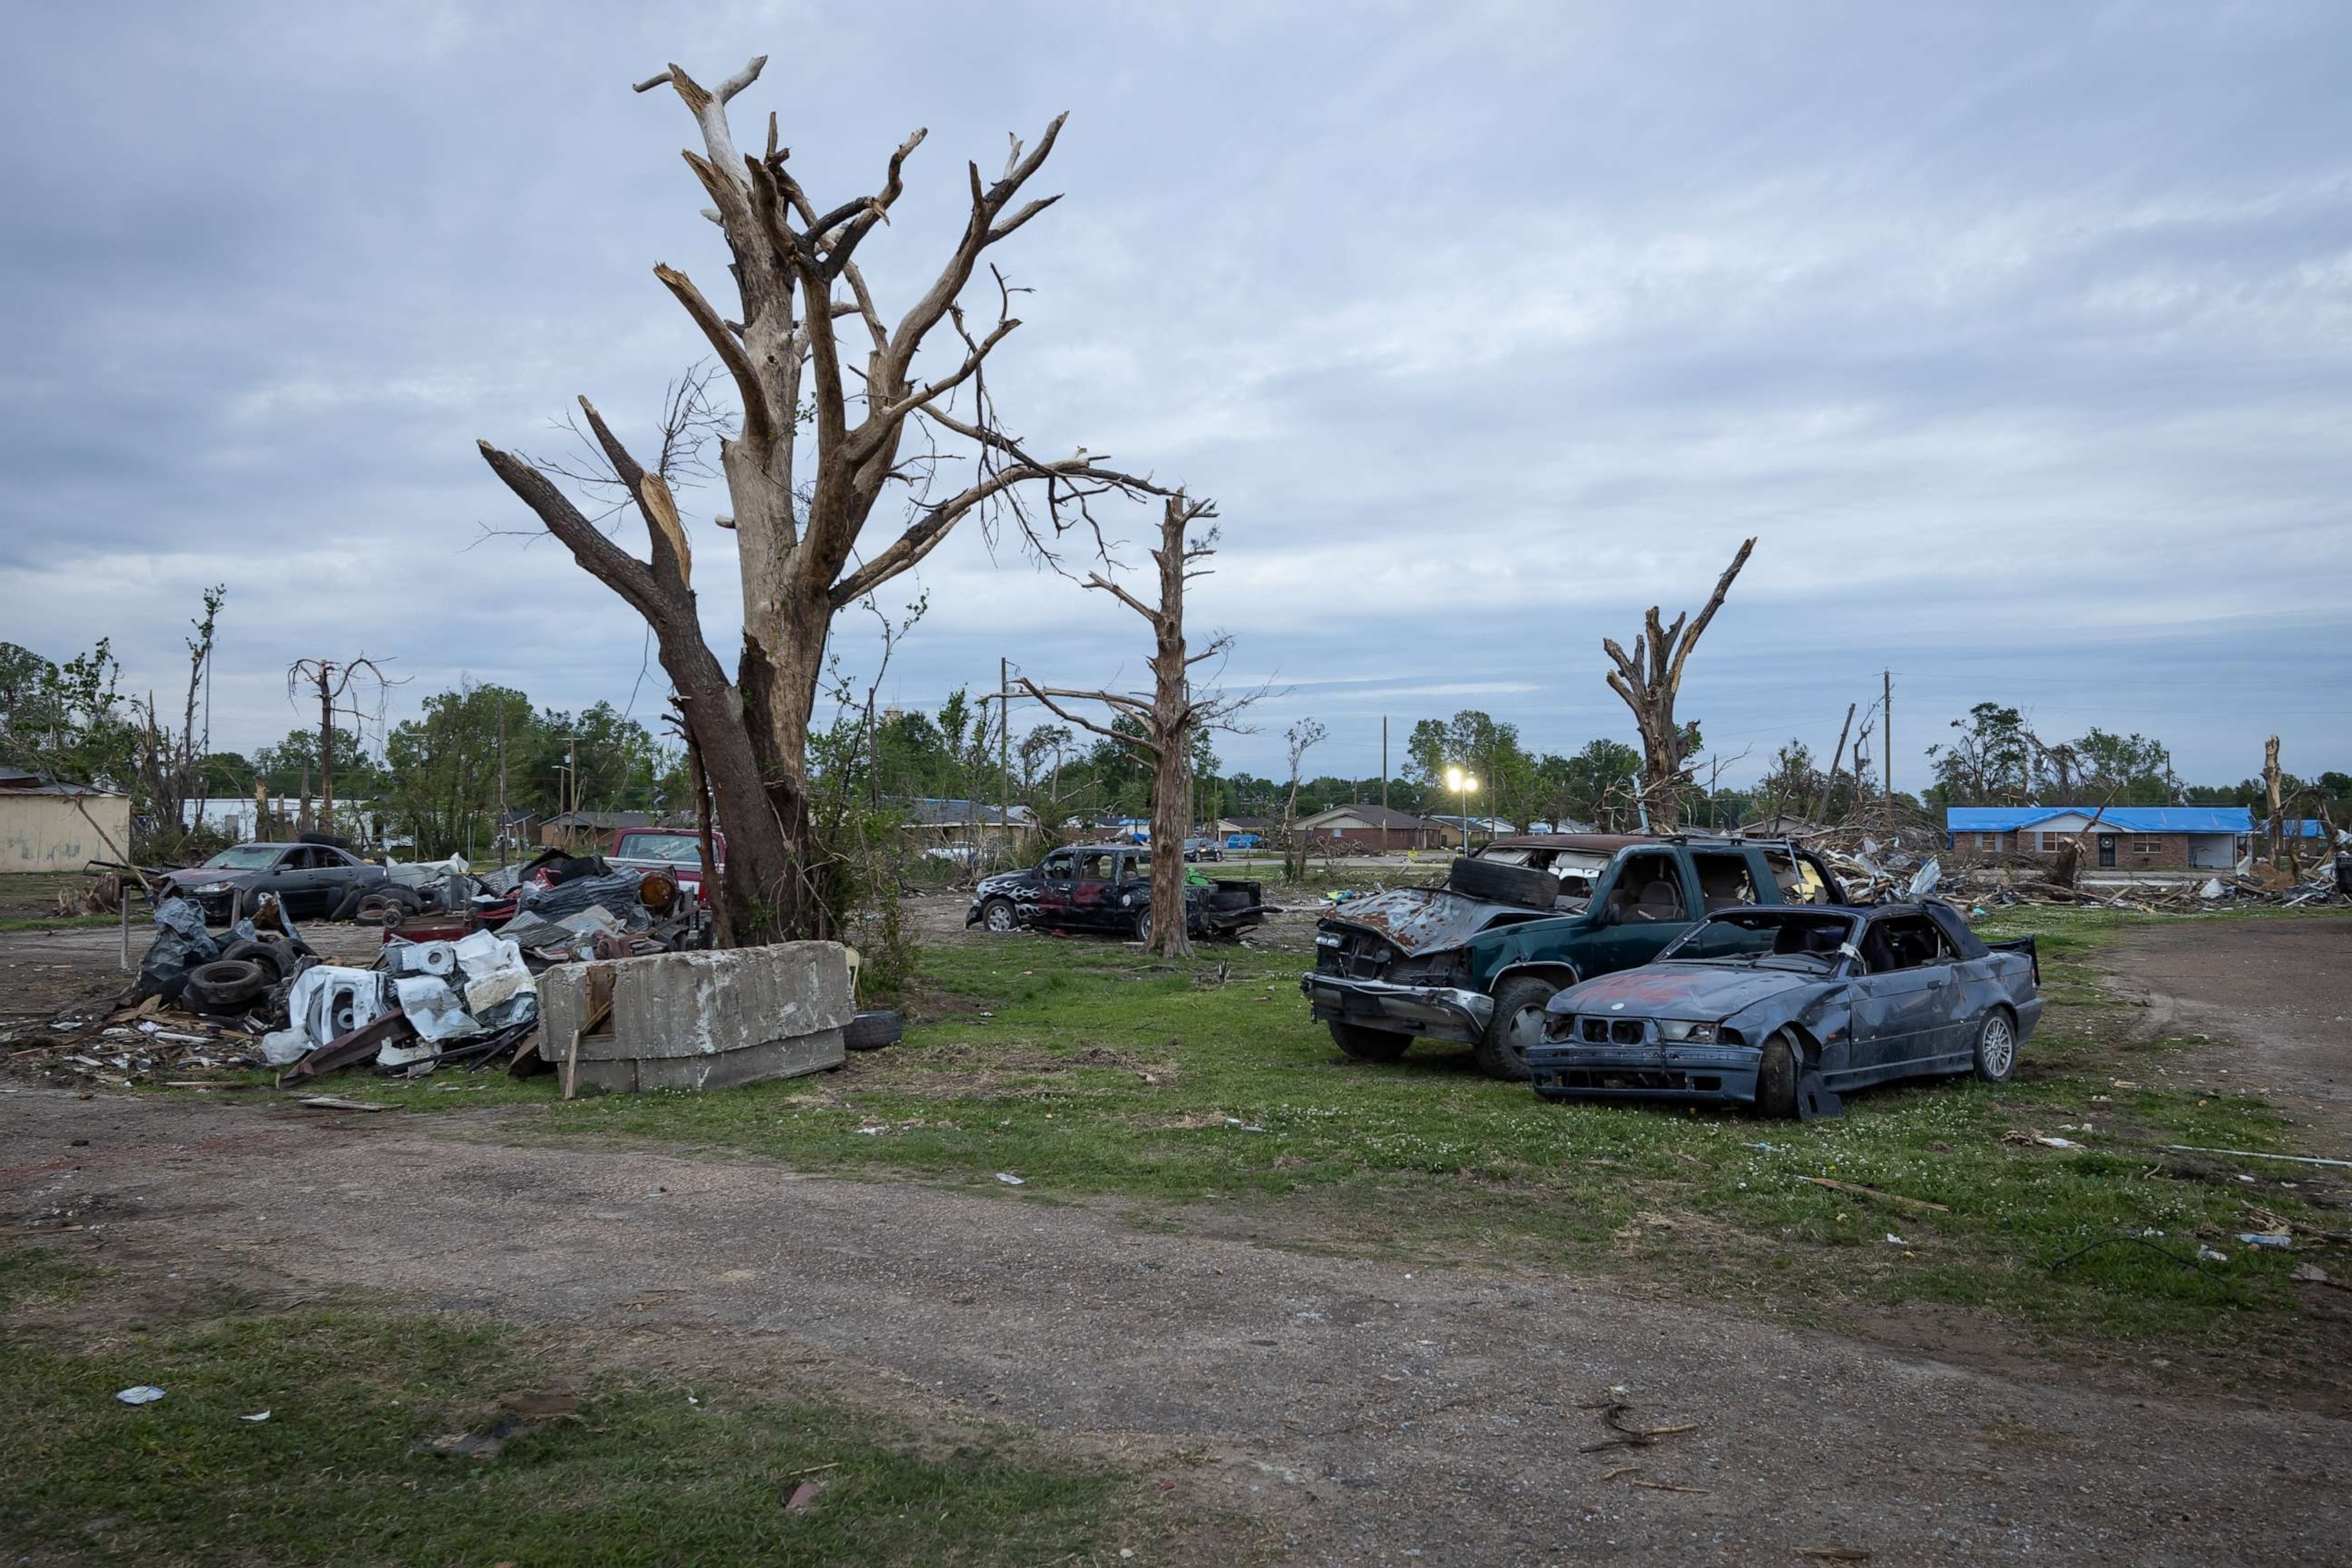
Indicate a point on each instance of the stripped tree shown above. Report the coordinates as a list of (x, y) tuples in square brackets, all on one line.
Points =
[(1649, 680), (1161, 725), (879, 428)]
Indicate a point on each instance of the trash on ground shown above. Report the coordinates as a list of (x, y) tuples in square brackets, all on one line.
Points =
[(256, 1415), (2265, 1239), (1010, 1180), (2212, 1255), (337, 1102), (144, 1393)]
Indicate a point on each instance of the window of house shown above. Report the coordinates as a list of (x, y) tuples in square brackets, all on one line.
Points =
[(1988, 840), (2143, 846), (2049, 842)]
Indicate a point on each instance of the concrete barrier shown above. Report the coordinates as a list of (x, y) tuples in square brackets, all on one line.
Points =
[(698, 1020)]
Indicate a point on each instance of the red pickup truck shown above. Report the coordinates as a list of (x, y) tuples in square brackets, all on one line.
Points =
[(676, 852)]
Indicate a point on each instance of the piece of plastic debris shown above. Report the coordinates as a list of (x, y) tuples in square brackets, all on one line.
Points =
[(1010, 1180), (1245, 1126), (1895, 1240), (1768, 1148), (2265, 1239), (144, 1393), (803, 1497), (2309, 1274), (2057, 1143), (2209, 1254), (256, 1415), (337, 1102)]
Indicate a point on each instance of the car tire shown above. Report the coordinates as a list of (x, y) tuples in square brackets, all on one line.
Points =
[(1369, 1045), (1516, 1024), (1996, 1052), (1776, 1079), (872, 1031), (999, 917), (226, 986), (1143, 925), (269, 956)]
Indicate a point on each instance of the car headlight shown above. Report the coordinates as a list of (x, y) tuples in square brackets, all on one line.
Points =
[(214, 887), (1685, 1032)]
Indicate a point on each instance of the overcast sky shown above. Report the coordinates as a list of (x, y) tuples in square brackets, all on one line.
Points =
[(2019, 336)]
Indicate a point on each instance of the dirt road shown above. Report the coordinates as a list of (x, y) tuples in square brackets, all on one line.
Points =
[(1348, 1410), (2278, 992)]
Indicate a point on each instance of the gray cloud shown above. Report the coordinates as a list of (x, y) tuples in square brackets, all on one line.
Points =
[(2019, 337)]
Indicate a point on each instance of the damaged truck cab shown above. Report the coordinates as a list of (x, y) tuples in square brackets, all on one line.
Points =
[(1475, 958)]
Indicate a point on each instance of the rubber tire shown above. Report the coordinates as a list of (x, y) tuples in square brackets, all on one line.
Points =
[(1776, 1079), (1367, 1045), (226, 986), (2008, 1070), (1499, 1056), (1143, 925), (274, 957), (989, 912), (872, 1031)]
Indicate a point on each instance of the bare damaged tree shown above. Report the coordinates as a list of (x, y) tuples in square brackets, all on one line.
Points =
[(173, 767), (1169, 717), (796, 277), (1301, 738), (333, 681), (1649, 680)]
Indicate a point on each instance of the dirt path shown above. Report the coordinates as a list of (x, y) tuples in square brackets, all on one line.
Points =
[(1357, 1411), (2280, 990)]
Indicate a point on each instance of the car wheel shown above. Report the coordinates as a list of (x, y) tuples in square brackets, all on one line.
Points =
[(226, 986), (1997, 1047), (999, 916), (1143, 926), (271, 958), (1776, 1079), (1516, 1024), (1369, 1045)]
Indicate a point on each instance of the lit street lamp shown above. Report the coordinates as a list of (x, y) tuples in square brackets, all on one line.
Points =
[(1461, 783)]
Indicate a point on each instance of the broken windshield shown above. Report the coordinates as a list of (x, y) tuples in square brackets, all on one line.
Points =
[(1788, 937), (246, 857)]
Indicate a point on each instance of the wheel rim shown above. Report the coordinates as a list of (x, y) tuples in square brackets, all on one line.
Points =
[(1143, 928), (999, 917), (1999, 1046), (1525, 1029)]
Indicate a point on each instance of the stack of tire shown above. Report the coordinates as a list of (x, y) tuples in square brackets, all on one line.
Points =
[(249, 974)]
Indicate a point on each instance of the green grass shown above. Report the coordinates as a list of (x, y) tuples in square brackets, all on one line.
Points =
[(648, 1470), (1089, 1073)]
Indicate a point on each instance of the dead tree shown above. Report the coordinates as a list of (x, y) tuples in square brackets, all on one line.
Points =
[(174, 769), (878, 428), (1649, 680), (332, 682), (1169, 717), (2270, 797)]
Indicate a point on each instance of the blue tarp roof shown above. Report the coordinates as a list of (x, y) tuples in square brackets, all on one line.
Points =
[(2124, 818)]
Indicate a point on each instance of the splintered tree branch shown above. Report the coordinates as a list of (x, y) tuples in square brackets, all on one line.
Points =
[(1649, 679)]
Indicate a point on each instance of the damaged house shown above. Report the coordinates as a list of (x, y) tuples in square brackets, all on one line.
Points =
[(2113, 838)]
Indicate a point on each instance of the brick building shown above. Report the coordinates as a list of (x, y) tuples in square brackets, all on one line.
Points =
[(1375, 828), (2116, 838)]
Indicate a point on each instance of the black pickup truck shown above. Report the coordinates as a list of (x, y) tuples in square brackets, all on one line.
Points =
[(1108, 887), (1475, 958)]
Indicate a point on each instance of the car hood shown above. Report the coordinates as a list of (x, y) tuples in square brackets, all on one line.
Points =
[(203, 876), (1697, 991), (1003, 882), (1420, 919)]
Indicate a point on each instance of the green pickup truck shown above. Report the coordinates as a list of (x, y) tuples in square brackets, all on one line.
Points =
[(1474, 959)]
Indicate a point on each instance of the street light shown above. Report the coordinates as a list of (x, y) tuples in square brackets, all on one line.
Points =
[(1461, 783)]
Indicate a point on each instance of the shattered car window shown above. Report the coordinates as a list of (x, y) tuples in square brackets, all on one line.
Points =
[(1577, 869), (1798, 883), (1768, 937), (661, 846), (247, 858), (1724, 880)]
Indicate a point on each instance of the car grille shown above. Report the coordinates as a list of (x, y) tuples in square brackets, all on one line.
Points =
[(1356, 954), (1612, 1031)]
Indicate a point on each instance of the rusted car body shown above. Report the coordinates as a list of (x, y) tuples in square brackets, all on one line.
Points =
[(1478, 958), (1787, 1008)]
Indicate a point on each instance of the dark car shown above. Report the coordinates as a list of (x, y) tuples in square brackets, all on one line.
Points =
[(312, 881), (1476, 958), (1106, 887), (1787, 1008)]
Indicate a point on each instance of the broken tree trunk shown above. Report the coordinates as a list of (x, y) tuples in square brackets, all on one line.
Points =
[(1648, 681), (1160, 727), (798, 385), (2270, 797)]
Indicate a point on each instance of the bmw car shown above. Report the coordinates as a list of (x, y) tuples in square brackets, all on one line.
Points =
[(1787, 1008)]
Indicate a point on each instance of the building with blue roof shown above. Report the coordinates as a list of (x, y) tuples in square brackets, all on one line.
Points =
[(2114, 838)]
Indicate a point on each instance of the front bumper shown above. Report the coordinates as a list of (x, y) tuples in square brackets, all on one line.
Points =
[(1426, 1012), (1566, 1069)]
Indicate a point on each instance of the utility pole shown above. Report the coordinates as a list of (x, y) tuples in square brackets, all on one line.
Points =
[(1886, 726), (503, 781), (1384, 781), (1004, 754)]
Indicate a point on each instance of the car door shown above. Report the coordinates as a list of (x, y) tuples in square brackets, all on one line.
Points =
[(1646, 905), (1905, 1001), (1055, 880), (282, 881), (1091, 883)]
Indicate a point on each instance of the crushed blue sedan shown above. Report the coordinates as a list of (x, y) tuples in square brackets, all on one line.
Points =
[(1785, 1008)]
